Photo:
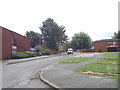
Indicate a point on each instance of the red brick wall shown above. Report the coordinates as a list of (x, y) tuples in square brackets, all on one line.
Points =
[(100, 45), (22, 43), (0, 43), (6, 44), (85, 50), (103, 45), (10, 38)]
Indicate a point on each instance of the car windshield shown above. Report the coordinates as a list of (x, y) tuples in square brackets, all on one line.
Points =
[(70, 50)]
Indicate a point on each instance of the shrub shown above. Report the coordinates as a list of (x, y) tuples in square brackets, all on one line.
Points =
[(100, 50), (55, 52), (45, 51), (27, 54), (39, 54), (31, 54), (42, 50), (19, 55)]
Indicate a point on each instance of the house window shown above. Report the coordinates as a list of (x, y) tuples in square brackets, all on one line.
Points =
[(14, 49), (114, 43), (109, 42)]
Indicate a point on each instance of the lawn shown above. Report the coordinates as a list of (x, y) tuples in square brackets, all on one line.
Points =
[(107, 66), (76, 60)]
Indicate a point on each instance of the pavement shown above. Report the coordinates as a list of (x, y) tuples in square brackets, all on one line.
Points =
[(23, 74), (0, 75), (63, 76), (13, 61)]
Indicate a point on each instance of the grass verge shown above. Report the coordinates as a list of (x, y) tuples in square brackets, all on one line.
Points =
[(76, 60), (107, 66)]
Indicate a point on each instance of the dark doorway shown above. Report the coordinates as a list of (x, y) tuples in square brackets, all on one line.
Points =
[(112, 49)]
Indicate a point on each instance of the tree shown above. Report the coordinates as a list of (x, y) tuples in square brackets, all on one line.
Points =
[(116, 35), (53, 34), (81, 41), (67, 45), (34, 37)]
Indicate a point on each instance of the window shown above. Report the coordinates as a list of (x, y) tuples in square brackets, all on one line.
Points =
[(14, 49), (109, 42), (114, 43)]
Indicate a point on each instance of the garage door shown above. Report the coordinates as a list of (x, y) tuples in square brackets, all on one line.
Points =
[(112, 49)]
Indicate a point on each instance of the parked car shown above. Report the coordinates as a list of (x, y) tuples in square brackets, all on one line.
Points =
[(69, 51)]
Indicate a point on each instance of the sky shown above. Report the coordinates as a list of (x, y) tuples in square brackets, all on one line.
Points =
[(97, 18)]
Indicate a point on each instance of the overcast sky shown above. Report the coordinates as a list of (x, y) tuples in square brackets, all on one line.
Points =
[(98, 18)]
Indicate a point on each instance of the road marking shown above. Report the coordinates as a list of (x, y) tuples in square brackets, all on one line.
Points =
[(108, 80), (22, 83), (47, 67), (96, 77), (85, 55), (97, 53)]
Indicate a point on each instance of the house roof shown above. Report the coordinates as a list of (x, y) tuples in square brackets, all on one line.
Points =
[(13, 32), (107, 40)]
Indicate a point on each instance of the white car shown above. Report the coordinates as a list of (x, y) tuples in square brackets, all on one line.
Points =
[(70, 51)]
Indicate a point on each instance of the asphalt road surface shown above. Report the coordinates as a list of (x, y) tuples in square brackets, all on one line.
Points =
[(63, 75), (0, 74), (25, 74)]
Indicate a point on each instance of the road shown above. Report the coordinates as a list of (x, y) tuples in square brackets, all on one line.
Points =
[(0, 75), (63, 75), (25, 74)]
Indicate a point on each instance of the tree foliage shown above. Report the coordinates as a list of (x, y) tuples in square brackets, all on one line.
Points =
[(53, 34), (116, 35), (81, 41), (34, 37), (67, 45)]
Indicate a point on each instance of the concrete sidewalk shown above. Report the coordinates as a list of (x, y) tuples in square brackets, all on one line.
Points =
[(12, 61), (0, 75), (63, 76)]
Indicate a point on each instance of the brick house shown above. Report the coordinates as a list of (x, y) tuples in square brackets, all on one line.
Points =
[(107, 45), (11, 42)]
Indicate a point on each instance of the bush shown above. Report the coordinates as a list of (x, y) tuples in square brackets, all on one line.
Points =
[(39, 54), (19, 55), (100, 50), (55, 52), (47, 52), (44, 51), (31, 54), (27, 54)]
